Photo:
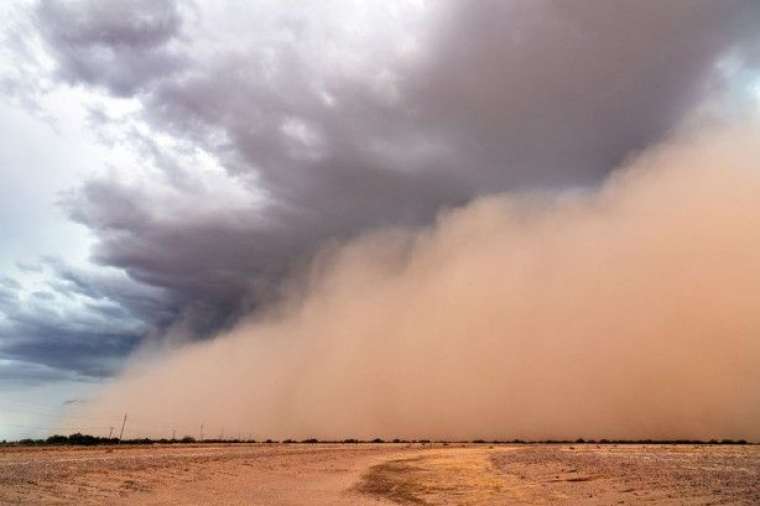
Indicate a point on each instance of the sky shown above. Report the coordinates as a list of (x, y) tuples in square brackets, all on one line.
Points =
[(167, 165)]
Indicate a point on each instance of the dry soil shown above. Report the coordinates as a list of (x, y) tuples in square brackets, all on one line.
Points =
[(381, 474)]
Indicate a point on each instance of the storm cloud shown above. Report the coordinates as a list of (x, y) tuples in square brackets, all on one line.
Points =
[(269, 130)]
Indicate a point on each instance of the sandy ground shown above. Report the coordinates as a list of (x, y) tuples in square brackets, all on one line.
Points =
[(382, 474)]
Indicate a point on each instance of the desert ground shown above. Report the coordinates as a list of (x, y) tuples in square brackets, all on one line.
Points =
[(381, 474)]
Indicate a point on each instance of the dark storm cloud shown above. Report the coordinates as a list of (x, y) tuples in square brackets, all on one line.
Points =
[(500, 95), (84, 343), (206, 267), (88, 356), (102, 288), (546, 92), (81, 326)]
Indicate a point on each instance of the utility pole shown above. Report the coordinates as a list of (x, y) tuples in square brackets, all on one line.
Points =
[(110, 432), (201, 432), (123, 424)]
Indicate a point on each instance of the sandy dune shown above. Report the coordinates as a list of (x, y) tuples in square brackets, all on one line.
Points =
[(382, 474)]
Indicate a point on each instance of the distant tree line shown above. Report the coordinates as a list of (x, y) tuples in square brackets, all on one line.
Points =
[(89, 440)]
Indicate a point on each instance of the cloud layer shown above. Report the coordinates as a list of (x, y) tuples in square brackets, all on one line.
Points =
[(261, 133)]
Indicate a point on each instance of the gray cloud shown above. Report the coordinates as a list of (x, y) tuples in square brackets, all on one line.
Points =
[(492, 96), (81, 326), (29, 373), (559, 92), (121, 45)]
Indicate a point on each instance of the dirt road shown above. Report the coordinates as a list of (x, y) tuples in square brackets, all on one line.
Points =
[(381, 474)]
